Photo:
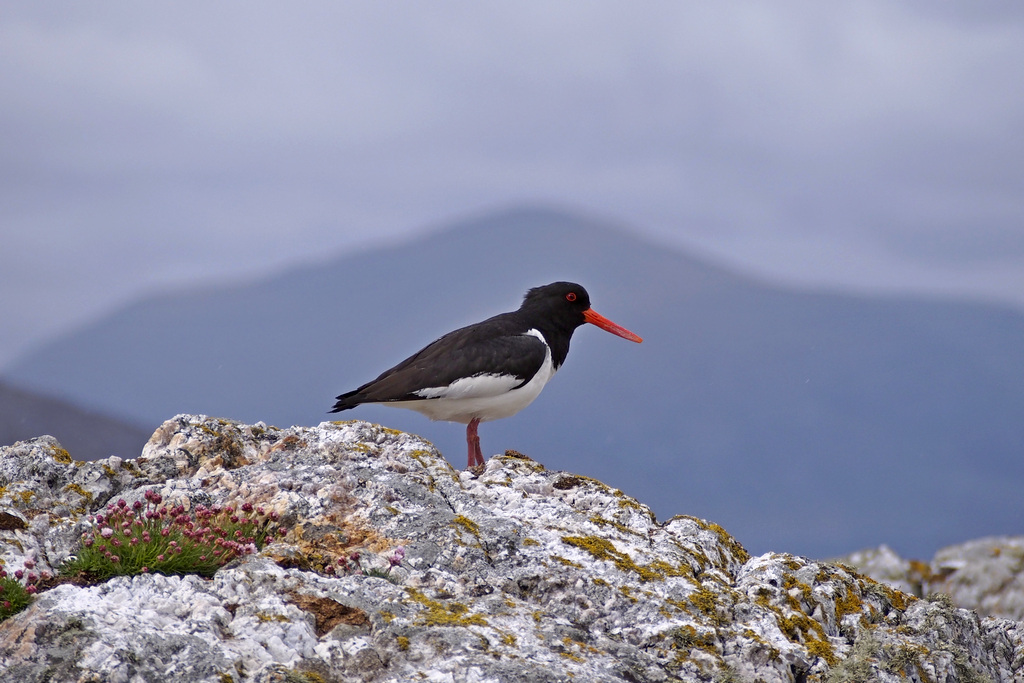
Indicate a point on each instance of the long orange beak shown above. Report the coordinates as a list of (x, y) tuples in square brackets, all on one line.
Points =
[(595, 318)]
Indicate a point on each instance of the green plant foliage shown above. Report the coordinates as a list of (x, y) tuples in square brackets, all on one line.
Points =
[(152, 537), (14, 597)]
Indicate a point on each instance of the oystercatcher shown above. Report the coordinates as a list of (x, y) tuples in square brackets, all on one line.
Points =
[(489, 370)]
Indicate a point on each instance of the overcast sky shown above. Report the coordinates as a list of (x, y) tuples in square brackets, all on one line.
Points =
[(873, 145)]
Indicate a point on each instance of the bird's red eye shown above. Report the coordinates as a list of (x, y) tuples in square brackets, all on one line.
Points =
[(571, 296)]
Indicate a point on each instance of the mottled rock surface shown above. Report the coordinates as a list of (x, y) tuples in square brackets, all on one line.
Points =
[(986, 575), (517, 574)]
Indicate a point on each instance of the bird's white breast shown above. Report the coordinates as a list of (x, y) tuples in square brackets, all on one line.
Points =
[(484, 396)]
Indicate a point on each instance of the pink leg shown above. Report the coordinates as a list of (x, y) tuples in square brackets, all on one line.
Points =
[(473, 442)]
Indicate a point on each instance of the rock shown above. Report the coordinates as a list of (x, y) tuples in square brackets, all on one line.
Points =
[(518, 574), (986, 575)]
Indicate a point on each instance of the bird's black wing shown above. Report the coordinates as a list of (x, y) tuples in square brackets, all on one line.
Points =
[(470, 351)]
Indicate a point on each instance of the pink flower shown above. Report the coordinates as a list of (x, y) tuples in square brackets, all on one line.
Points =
[(106, 532), (29, 563)]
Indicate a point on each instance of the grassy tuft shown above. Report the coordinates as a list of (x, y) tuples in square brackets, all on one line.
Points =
[(151, 537)]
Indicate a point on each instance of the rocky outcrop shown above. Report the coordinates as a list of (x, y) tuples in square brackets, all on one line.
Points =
[(513, 574), (985, 575)]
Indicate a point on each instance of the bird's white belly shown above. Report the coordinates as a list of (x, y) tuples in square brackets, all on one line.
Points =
[(484, 397)]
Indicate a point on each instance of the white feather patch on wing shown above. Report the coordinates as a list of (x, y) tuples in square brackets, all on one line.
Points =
[(477, 386), (496, 398)]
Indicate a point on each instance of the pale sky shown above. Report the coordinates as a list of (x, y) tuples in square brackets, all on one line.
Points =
[(875, 145)]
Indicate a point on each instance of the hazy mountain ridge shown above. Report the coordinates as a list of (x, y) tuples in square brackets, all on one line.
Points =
[(805, 421), (90, 435)]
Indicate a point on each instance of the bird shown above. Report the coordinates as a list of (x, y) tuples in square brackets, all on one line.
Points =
[(490, 370)]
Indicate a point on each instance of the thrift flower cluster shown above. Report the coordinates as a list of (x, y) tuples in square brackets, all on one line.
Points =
[(152, 537), (353, 564), (16, 593)]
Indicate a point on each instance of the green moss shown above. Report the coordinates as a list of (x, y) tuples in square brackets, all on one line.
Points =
[(887, 594), (734, 546), (265, 616), (670, 570), (789, 583), (62, 456), (848, 603), (567, 562), (602, 522), (823, 649), (303, 677), (679, 605), (79, 490), (625, 502), (467, 524), (704, 600), (763, 597), (603, 549), (131, 467), (403, 643), (439, 614), (689, 637), (530, 541)]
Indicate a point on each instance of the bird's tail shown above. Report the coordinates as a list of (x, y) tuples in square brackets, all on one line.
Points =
[(346, 401)]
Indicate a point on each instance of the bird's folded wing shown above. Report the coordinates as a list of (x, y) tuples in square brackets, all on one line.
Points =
[(461, 368)]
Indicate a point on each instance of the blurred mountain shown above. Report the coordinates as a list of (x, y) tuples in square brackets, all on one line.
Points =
[(806, 421), (86, 434)]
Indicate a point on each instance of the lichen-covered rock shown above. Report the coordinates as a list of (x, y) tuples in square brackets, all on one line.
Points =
[(516, 574), (986, 575)]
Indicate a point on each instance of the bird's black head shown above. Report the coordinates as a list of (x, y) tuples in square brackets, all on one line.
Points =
[(564, 306), (562, 302)]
